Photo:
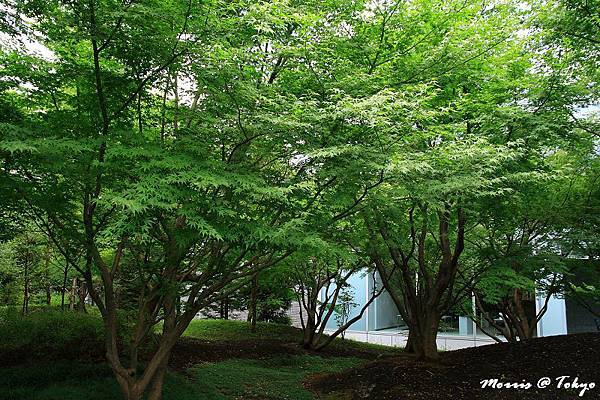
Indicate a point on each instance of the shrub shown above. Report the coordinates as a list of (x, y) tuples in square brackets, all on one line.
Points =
[(49, 334)]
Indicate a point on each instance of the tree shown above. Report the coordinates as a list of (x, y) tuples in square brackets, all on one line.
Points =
[(418, 224), (521, 256), (320, 284), (273, 296), (28, 272), (139, 198), (9, 275), (344, 308), (175, 151)]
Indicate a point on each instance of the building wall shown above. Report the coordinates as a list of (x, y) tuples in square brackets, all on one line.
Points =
[(294, 314), (358, 285), (580, 319), (381, 314), (386, 314), (554, 321), (372, 311)]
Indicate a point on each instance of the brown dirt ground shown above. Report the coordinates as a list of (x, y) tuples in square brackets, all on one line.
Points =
[(457, 375), (188, 351)]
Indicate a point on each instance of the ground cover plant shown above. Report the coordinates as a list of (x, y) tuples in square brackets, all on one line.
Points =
[(49, 334), (216, 359), (225, 360)]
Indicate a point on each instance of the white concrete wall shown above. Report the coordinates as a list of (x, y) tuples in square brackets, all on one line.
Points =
[(386, 312), (554, 321)]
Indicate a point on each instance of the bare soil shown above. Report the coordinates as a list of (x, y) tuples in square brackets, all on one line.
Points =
[(189, 352), (458, 374), (186, 353)]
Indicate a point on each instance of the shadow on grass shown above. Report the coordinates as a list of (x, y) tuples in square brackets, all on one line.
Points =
[(275, 378)]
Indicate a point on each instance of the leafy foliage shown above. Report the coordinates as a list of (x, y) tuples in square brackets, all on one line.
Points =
[(172, 150)]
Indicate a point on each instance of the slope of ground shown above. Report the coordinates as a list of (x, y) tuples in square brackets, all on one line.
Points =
[(59, 356), (218, 340), (541, 362)]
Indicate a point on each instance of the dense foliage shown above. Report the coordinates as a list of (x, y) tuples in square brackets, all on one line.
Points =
[(168, 155)]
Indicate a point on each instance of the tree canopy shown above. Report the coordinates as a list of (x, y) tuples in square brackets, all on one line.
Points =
[(170, 151)]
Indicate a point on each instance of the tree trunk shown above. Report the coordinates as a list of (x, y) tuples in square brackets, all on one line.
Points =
[(224, 308), (176, 110), (72, 295), (25, 309), (129, 390), (82, 292), (410, 345), (64, 285), (422, 337), (134, 389), (48, 295), (425, 346), (164, 108), (48, 281), (155, 392), (253, 302), (520, 318), (139, 112), (308, 336)]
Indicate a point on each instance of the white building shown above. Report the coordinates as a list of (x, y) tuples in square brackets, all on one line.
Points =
[(382, 324)]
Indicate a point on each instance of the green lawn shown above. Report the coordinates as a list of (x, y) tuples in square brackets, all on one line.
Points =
[(225, 330), (275, 378), (217, 330), (278, 378)]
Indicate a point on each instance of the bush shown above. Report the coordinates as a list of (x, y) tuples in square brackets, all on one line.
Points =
[(219, 330), (49, 334)]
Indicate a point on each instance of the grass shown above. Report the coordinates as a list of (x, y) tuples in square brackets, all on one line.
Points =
[(278, 378), (42, 378), (226, 330), (48, 330), (218, 330), (78, 381)]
